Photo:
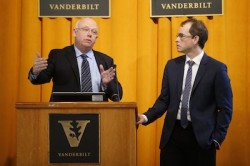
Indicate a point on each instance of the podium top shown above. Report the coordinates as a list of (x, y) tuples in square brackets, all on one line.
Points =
[(49, 105)]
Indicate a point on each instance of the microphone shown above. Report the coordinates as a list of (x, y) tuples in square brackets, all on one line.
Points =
[(116, 97)]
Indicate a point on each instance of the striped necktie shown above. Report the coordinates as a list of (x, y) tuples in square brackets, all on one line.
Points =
[(186, 95), (86, 84)]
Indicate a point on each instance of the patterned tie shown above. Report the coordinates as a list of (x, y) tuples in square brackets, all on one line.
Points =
[(185, 97), (86, 84)]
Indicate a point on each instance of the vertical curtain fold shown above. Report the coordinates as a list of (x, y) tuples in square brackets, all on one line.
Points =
[(146, 81), (9, 68), (30, 42)]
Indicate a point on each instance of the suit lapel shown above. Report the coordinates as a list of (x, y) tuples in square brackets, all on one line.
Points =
[(99, 60), (200, 73), (71, 56), (180, 72)]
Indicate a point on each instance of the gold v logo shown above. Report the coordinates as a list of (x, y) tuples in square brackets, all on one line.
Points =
[(74, 130)]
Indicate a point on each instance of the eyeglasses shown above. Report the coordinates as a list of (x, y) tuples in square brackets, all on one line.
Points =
[(181, 35), (86, 30)]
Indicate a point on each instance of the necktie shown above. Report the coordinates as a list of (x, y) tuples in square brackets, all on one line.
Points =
[(86, 84), (185, 97)]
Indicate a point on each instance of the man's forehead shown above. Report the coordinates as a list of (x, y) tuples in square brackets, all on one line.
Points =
[(88, 23), (185, 27)]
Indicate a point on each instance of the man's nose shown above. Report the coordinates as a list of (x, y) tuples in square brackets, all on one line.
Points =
[(89, 33)]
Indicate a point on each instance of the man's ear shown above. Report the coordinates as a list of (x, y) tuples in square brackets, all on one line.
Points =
[(196, 39), (74, 32)]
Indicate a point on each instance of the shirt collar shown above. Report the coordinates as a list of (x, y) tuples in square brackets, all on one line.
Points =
[(197, 59), (89, 54)]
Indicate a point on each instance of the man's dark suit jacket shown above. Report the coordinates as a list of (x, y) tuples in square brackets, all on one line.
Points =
[(210, 103), (63, 70)]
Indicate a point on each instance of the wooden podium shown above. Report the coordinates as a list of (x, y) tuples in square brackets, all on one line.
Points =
[(117, 131)]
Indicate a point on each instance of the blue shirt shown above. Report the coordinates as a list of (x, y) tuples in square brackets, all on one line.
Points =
[(94, 69)]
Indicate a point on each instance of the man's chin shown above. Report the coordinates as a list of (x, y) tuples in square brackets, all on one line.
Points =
[(87, 46), (179, 50)]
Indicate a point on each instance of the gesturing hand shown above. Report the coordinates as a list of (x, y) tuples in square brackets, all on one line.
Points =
[(107, 75), (39, 64)]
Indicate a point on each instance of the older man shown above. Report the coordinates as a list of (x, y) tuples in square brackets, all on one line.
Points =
[(78, 68)]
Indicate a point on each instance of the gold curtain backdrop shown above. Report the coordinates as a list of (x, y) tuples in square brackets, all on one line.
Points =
[(140, 47)]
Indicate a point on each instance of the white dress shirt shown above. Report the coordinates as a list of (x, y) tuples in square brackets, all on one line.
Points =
[(197, 61)]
